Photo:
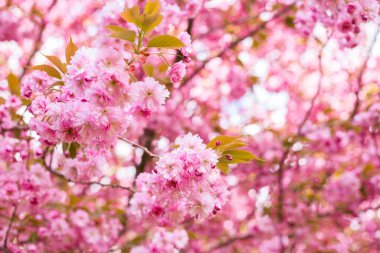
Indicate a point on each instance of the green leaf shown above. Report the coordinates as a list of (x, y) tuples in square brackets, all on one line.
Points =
[(71, 48), (49, 70), (13, 84), (152, 7), (122, 33), (57, 62), (165, 41)]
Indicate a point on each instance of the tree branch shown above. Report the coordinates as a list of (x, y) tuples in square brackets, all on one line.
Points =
[(281, 168), (230, 241)]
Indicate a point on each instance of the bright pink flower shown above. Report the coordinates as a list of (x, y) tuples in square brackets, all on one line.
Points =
[(177, 72)]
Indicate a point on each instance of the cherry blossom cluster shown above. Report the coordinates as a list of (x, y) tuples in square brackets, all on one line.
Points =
[(344, 18), (343, 189), (90, 158), (183, 184), (94, 104)]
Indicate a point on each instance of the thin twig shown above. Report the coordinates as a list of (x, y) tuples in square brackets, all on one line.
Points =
[(57, 174), (236, 42), (38, 41), (281, 168), (361, 74), (152, 155)]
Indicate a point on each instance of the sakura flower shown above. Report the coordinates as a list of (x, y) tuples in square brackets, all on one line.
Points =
[(177, 72), (149, 94), (203, 206), (80, 218)]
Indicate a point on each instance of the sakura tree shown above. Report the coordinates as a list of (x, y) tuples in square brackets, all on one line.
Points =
[(189, 126)]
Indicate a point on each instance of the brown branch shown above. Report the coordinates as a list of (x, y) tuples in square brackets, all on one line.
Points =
[(149, 137), (361, 74), (230, 241), (5, 245), (4, 130), (236, 42), (57, 174), (38, 41), (151, 154)]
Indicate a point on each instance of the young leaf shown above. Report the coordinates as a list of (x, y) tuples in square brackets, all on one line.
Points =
[(222, 143), (13, 84), (242, 155), (149, 22), (57, 62), (121, 33), (152, 7), (223, 167), (71, 48), (165, 41), (49, 70), (132, 15)]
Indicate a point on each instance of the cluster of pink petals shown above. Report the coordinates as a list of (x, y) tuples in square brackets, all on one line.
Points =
[(177, 72), (28, 188), (183, 184), (344, 17), (95, 104), (343, 189)]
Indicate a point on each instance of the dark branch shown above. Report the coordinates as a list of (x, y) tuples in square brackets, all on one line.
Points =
[(5, 245), (146, 157)]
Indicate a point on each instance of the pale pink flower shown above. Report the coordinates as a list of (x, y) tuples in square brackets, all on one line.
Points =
[(149, 94)]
